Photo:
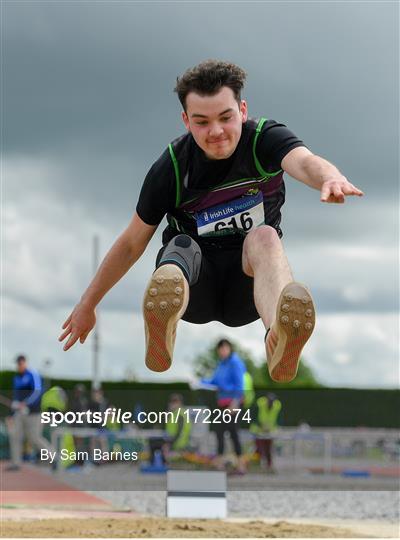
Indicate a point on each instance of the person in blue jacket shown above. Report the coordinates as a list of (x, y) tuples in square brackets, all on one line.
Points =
[(228, 379), (27, 395)]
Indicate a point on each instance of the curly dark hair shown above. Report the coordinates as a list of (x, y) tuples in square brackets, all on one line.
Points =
[(208, 77)]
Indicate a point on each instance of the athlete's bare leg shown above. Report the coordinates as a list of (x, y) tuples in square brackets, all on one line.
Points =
[(264, 260), (285, 307)]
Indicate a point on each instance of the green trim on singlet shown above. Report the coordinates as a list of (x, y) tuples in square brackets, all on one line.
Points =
[(264, 175), (177, 175), (240, 181), (258, 131), (256, 161), (175, 224), (172, 222)]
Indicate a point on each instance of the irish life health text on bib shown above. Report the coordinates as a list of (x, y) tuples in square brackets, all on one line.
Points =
[(242, 215)]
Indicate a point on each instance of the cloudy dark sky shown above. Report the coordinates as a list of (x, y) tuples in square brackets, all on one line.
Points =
[(88, 106)]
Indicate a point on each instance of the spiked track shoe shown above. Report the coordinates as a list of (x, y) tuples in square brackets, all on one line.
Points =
[(295, 321), (165, 301)]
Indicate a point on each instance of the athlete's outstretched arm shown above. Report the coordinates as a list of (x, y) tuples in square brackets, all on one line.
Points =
[(126, 250), (319, 174)]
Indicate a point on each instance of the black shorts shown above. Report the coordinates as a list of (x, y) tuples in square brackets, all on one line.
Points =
[(223, 291)]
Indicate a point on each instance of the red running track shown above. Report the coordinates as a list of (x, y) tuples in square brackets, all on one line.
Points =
[(21, 488)]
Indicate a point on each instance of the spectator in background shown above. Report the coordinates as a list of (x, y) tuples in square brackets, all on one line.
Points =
[(54, 400), (264, 422), (228, 379), (99, 403), (27, 395), (178, 430), (79, 403), (79, 400), (248, 390)]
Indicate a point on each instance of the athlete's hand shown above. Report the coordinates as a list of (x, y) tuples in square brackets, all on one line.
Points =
[(335, 190), (78, 325)]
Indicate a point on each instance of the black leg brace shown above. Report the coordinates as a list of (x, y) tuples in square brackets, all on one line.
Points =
[(184, 252)]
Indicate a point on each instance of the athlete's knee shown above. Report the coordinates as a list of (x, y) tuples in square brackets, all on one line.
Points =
[(264, 236), (258, 243), (185, 252)]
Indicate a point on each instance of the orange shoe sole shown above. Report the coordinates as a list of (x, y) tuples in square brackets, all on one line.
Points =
[(295, 322), (165, 301)]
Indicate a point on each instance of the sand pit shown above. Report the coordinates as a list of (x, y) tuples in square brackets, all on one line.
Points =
[(145, 527)]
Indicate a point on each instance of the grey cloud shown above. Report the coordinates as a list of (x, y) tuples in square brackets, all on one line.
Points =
[(100, 76), (333, 300)]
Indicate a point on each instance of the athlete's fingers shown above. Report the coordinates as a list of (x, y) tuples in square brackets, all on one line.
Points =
[(67, 322), (325, 192), (332, 193), (338, 194), (334, 200), (349, 189), (73, 338), (65, 334), (82, 339), (336, 191)]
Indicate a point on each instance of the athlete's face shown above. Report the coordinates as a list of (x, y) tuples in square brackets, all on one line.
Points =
[(215, 122)]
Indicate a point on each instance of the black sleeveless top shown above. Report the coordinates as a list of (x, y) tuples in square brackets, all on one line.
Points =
[(245, 177)]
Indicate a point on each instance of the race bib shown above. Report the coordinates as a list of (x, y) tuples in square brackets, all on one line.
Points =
[(240, 215)]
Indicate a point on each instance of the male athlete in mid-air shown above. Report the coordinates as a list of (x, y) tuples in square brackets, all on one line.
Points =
[(221, 187)]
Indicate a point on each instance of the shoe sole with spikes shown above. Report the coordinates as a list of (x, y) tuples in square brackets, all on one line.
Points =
[(165, 301), (294, 324)]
